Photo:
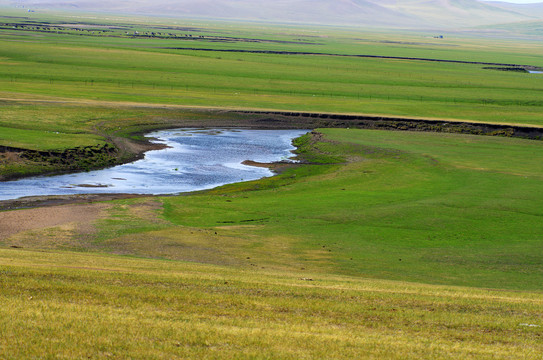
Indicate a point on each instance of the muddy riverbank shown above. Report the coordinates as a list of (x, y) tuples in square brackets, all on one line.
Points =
[(191, 160), (120, 149)]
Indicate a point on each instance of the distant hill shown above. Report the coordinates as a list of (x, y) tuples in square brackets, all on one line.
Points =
[(531, 28), (382, 13), (534, 10), (456, 13)]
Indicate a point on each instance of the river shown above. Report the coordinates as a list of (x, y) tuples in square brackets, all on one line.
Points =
[(196, 159)]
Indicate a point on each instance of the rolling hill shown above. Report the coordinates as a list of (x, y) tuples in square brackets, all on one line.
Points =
[(532, 10), (385, 13)]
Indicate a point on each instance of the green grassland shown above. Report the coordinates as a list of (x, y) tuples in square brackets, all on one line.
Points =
[(113, 66), (436, 208), (44, 140), (432, 208), (294, 266), (380, 245), (79, 75)]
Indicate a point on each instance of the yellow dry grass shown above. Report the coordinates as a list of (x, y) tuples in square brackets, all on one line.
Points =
[(74, 305)]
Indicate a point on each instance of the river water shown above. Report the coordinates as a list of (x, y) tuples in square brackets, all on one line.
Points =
[(196, 159)]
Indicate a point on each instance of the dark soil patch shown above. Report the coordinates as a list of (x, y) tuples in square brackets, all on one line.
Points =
[(509, 68), (53, 200), (303, 120), (276, 167)]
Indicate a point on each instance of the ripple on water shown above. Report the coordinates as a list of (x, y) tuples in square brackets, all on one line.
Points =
[(196, 159)]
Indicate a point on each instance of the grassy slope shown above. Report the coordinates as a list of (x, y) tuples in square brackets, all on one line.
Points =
[(433, 208), (424, 207), (531, 28), (67, 305)]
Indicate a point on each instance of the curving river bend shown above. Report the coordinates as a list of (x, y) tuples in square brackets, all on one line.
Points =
[(196, 159)]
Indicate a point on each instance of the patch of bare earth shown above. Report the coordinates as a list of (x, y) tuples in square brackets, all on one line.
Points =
[(50, 227), (277, 167)]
